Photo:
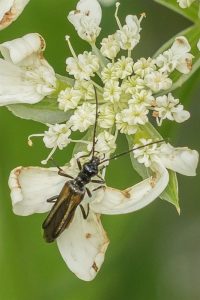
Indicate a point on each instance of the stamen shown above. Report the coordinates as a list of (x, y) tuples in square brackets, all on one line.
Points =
[(116, 16), (80, 141), (143, 15), (129, 52), (44, 162), (67, 38), (30, 143)]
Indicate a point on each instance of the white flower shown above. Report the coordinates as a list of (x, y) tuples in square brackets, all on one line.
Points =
[(142, 97), (69, 99), (83, 244), (144, 66), (110, 46), (83, 117), (124, 67), (185, 3), (57, 136), (146, 155), (82, 67), (86, 19), (181, 160), (198, 45), (112, 91), (177, 57), (169, 108), (85, 88), (109, 73), (25, 76), (128, 119), (129, 35), (10, 11), (105, 143), (157, 81), (136, 114), (132, 84), (106, 116)]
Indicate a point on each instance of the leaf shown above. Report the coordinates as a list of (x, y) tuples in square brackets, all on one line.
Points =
[(192, 34), (46, 111), (171, 192), (190, 13)]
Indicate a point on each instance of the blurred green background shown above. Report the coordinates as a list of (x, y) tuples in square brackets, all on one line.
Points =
[(154, 254)]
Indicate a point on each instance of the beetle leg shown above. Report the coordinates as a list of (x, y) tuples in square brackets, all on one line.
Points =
[(98, 188), (98, 181), (62, 173), (52, 199), (88, 192), (85, 214), (79, 163)]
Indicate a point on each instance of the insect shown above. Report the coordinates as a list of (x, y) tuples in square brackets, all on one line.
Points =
[(74, 190)]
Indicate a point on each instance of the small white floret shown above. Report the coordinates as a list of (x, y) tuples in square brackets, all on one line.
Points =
[(69, 99), (86, 19), (83, 117), (84, 66)]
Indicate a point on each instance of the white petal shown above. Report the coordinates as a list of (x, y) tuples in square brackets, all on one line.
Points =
[(86, 19), (19, 49), (15, 87), (10, 10), (180, 46), (181, 116), (32, 186), (83, 245), (134, 198), (184, 64), (25, 76), (91, 6), (182, 160)]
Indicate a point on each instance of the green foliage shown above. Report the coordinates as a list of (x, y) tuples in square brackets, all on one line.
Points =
[(190, 13), (153, 254), (45, 111)]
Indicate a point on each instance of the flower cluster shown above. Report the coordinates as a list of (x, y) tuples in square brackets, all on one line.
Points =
[(131, 93), (108, 91)]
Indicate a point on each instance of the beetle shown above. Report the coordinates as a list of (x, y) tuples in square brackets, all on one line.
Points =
[(74, 190)]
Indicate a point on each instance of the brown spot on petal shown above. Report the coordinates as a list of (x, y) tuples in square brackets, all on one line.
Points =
[(153, 181), (7, 18), (189, 64), (88, 235), (77, 11), (180, 41), (126, 194), (94, 266), (17, 172)]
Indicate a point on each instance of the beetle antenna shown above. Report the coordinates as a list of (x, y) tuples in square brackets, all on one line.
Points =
[(95, 124), (130, 150)]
